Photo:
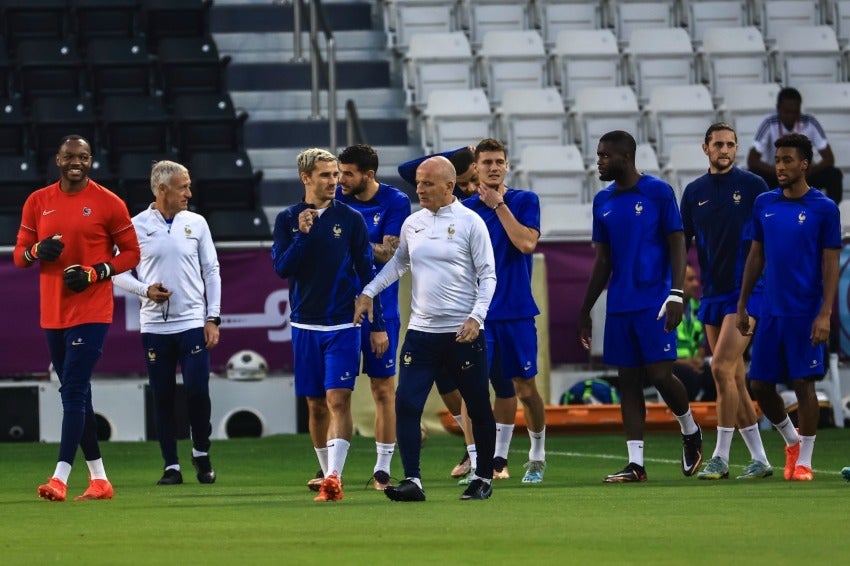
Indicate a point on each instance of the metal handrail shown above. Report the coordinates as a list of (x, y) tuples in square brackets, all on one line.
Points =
[(354, 132), (318, 19)]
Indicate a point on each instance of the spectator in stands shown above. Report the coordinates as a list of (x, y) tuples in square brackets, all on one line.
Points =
[(796, 242), (717, 216), (513, 221), (71, 228), (322, 246), (788, 119), (447, 249), (384, 208), (179, 282), (691, 367), (463, 160), (640, 247)]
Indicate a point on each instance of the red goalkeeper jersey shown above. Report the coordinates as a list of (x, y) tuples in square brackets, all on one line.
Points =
[(92, 223)]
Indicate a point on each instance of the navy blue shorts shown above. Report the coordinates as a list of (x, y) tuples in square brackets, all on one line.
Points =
[(782, 350), (636, 339), (325, 359)]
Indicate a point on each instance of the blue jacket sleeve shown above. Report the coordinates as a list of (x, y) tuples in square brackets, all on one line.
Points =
[(407, 170), (288, 248)]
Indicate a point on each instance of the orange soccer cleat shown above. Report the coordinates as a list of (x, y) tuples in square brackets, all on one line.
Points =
[(802, 473), (331, 489), (54, 490), (791, 454), (98, 489)]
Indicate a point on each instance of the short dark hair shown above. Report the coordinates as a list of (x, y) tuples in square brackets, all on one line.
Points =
[(462, 159), (490, 144), (622, 139), (799, 141), (363, 156), (72, 137), (789, 93), (719, 126)]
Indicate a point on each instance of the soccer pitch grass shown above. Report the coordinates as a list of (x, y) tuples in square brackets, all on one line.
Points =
[(260, 511)]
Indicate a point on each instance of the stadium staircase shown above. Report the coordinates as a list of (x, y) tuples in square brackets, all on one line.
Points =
[(274, 89)]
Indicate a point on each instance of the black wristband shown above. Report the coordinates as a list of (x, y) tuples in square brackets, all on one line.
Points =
[(215, 320), (677, 293)]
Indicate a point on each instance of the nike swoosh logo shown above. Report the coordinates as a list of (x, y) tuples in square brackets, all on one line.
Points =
[(46, 212), (415, 231), (196, 350), (667, 348), (151, 233), (345, 377), (769, 214), (702, 202), (606, 213), (295, 229), (77, 342)]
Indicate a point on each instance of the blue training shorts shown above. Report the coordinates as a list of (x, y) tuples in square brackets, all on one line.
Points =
[(384, 366), (511, 352), (325, 359), (713, 310), (636, 339), (782, 350)]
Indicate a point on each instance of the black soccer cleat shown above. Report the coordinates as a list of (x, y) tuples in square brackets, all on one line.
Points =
[(204, 469), (630, 474), (405, 491), (170, 477), (691, 452), (477, 489)]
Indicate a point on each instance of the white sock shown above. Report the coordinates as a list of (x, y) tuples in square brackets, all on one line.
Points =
[(687, 423), (418, 482), (724, 443), (459, 420), (807, 446), (173, 467), (96, 470), (752, 438), (504, 432), (198, 453), (385, 456), (788, 432), (322, 455), (537, 452), (473, 456), (635, 451), (337, 453), (62, 472)]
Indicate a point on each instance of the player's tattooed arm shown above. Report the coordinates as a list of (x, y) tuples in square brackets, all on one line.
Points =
[(384, 251)]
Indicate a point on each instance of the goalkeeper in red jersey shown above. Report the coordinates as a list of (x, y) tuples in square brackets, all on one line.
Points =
[(70, 229)]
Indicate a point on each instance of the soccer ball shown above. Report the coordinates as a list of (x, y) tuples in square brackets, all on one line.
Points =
[(247, 365)]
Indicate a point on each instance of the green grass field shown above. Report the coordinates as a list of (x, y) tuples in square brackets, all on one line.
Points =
[(260, 512)]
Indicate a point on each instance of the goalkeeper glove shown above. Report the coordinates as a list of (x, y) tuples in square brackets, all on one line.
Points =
[(79, 277), (48, 249)]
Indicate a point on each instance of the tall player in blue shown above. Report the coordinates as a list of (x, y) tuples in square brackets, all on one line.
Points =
[(384, 208), (796, 241), (513, 221), (716, 211), (322, 246), (640, 246)]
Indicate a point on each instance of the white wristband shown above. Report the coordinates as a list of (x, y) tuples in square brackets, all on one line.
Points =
[(670, 299)]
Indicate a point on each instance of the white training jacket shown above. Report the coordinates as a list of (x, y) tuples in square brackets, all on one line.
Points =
[(450, 258), (183, 258)]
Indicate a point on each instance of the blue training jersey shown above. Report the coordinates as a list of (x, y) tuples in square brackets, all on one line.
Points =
[(635, 224), (513, 298), (794, 233), (384, 215), (328, 267), (717, 211)]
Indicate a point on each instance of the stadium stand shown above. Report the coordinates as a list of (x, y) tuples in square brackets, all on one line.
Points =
[(601, 109), (511, 60), (678, 114), (33, 19), (555, 172), (745, 106), (582, 58), (480, 17), (554, 16), (454, 118), (732, 55), (117, 19), (658, 56), (436, 61), (807, 54), (531, 117), (777, 17), (631, 15), (702, 15), (403, 18)]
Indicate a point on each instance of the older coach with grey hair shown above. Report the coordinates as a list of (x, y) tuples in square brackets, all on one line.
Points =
[(179, 284)]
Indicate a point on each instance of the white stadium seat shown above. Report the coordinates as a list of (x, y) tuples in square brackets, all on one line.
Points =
[(555, 172), (678, 114), (745, 106), (583, 58), (661, 56), (686, 163), (403, 18), (454, 117), (806, 54), (495, 15), (830, 104), (706, 14), (554, 16), (631, 15), (732, 55), (598, 110), (531, 117), (437, 61), (510, 60)]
